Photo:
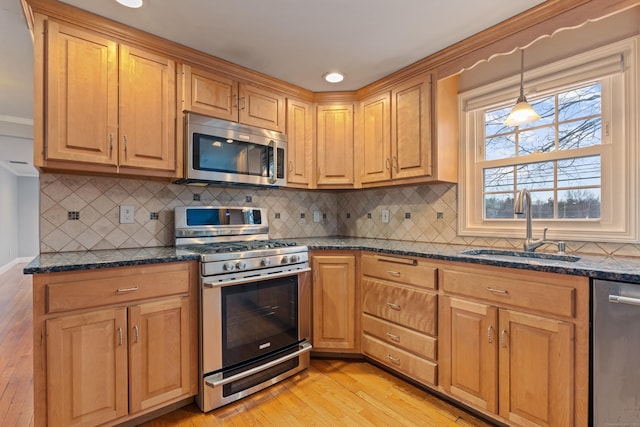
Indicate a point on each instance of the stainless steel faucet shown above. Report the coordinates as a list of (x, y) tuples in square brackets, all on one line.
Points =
[(523, 206)]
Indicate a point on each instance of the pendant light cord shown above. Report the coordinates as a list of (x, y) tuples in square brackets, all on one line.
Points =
[(521, 73)]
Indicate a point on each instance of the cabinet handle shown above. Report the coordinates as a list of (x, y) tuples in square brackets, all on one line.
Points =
[(393, 337), (397, 167), (489, 340), (290, 165), (124, 290), (503, 338), (393, 306), (388, 163), (243, 102), (119, 336), (393, 359), (497, 291), (125, 144), (110, 145), (137, 333), (393, 273)]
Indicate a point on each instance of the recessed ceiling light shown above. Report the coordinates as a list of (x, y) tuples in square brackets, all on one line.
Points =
[(333, 77), (131, 3)]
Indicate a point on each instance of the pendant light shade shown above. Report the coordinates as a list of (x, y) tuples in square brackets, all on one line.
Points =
[(522, 112)]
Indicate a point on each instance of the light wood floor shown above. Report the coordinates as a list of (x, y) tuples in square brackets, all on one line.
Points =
[(331, 392)]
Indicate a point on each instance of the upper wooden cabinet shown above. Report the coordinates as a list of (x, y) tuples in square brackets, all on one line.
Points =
[(215, 95), (334, 146), (373, 143), (299, 143), (108, 107)]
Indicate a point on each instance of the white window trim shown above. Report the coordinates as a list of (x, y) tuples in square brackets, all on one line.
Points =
[(619, 222)]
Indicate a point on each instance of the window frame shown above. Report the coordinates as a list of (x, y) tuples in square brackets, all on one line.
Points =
[(615, 63)]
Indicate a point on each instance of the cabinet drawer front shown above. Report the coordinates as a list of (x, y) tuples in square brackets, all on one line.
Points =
[(400, 360), (400, 304), (404, 270), (400, 337), (122, 286), (518, 292)]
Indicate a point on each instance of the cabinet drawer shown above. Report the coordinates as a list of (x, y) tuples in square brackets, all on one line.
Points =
[(400, 337), (69, 291), (400, 360), (511, 289), (408, 307), (408, 271)]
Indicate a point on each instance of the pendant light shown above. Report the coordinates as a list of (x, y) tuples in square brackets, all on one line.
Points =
[(522, 112)]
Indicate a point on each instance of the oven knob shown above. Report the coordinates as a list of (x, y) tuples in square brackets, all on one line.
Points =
[(228, 266), (295, 258), (265, 262), (285, 260), (241, 265)]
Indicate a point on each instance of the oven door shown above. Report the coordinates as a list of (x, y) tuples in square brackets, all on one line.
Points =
[(254, 332)]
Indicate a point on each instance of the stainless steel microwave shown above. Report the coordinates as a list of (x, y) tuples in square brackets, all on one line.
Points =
[(219, 151)]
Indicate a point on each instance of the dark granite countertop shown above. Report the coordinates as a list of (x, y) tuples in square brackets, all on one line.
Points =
[(626, 269), (89, 260)]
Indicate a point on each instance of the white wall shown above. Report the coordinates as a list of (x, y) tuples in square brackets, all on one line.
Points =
[(8, 216), (28, 200)]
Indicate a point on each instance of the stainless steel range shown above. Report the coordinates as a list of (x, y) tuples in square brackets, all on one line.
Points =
[(255, 317)]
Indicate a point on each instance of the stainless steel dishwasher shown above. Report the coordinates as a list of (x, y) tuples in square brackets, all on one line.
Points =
[(616, 354)]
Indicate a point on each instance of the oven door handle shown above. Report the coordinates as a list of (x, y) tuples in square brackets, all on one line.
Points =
[(216, 380), (212, 284)]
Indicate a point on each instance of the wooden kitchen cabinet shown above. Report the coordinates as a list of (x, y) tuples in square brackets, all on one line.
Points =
[(335, 303), (334, 146), (399, 315), (395, 141), (108, 107), (516, 348), (300, 143), (216, 95), (115, 343)]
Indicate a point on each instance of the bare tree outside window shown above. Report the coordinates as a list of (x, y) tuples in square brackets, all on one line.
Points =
[(568, 184)]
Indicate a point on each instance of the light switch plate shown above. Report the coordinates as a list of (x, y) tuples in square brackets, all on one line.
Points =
[(127, 214), (316, 216), (385, 216)]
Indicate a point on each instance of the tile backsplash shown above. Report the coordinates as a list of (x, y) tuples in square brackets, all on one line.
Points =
[(82, 212)]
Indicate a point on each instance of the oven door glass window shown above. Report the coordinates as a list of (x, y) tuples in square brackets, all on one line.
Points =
[(258, 318)]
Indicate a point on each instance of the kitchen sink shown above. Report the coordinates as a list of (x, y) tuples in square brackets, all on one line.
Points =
[(502, 253)]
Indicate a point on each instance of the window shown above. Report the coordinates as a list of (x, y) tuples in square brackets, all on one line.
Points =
[(578, 162)]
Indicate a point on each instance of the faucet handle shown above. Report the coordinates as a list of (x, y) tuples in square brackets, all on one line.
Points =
[(544, 233)]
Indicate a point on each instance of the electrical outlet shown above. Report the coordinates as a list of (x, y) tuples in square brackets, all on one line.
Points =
[(127, 214), (316, 216), (385, 216)]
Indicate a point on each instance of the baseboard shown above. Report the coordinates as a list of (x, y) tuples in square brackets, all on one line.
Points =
[(14, 262)]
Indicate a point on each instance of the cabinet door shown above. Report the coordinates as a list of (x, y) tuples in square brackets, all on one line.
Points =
[(469, 355), (158, 352), (210, 94), (87, 368), (536, 370), (81, 96), (147, 110), (299, 142), (411, 124), (334, 149), (334, 303), (374, 144), (261, 107)]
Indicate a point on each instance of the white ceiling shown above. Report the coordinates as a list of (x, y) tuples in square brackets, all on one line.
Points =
[(293, 40)]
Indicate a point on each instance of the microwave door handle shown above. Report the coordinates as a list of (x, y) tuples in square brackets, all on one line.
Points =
[(272, 172)]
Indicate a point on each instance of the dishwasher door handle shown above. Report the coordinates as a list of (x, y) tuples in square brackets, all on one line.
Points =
[(624, 300)]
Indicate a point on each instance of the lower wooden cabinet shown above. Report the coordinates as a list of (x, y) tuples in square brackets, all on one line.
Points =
[(106, 365), (399, 315), (507, 351), (335, 304)]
